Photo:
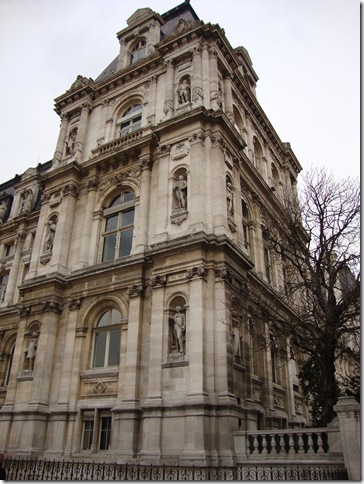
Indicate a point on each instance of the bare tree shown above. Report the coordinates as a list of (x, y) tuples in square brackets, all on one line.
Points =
[(316, 242)]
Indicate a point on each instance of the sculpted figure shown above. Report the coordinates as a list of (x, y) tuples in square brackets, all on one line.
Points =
[(179, 326), (31, 350), (3, 210), (230, 198), (51, 231), (180, 188), (26, 204), (184, 92), (70, 143)]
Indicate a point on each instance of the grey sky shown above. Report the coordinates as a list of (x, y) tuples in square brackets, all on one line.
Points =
[(305, 52)]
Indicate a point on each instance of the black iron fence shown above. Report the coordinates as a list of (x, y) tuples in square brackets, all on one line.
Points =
[(27, 469)]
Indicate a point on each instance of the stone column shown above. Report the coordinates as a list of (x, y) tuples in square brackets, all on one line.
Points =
[(87, 224), (59, 425), (214, 81), (81, 130), (152, 417), (57, 157), (348, 413), (228, 98), (63, 233), (151, 96), (127, 411), (145, 165), (169, 99), (197, 89), (14, 271)]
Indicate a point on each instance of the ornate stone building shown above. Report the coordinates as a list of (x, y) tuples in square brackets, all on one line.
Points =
[(133, 263)]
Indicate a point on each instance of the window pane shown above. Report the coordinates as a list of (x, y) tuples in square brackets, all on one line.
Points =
[(115, 317), (88, 431), (127, 218), (99, 350), (114, 347), (111, 223), (126, 238), (116, 201), (108, 252), (104, 320), (105, 433), (128, 196)]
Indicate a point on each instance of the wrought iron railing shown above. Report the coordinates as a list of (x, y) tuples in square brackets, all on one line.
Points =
[(27, 469)]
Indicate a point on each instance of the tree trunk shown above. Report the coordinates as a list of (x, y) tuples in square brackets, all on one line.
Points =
[(328, 393)]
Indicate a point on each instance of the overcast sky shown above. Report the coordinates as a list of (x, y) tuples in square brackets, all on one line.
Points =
[(305, 52)]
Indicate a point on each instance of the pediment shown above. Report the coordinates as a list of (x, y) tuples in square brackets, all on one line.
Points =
[(139, 15)]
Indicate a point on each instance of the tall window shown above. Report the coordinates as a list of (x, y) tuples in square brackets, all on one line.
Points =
[(96, 430), (8, 365), (138, 51), (245, 221), (273, 356), (3, 283), (131, 120), (106, 341), (119, 227), (267, 265)]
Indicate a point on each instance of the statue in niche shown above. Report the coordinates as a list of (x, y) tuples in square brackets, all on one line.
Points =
[(27, 202), (71, 143), (51, 231), (178, 326), (184, 92), (31, 350), (3, 210), (237, 338), (180, 190), (230, 198)]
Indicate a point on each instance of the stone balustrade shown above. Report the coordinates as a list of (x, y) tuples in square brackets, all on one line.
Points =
[(310, 444), (119, 143)]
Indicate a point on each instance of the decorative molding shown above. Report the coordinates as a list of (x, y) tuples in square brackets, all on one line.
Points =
[(74, 304), (52, 306), (136, 290), (158, 280), (196, 271)]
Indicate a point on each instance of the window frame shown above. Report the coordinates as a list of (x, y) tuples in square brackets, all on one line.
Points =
[(119, 210), (104, 351), (138, 51)]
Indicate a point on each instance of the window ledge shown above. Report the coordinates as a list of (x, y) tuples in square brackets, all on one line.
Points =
[(100, 372)]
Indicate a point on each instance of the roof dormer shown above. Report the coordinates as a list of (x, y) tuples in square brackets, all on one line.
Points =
[(139, 38)]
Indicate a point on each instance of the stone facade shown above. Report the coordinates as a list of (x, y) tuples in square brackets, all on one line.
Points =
[(132, 263)]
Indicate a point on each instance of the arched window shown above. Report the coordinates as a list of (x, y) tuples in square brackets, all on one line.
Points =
[(245, 222), (106, 340), (138, 51), (119, 226), (131, 120), (238, 121), (258, 153), (8, 365)]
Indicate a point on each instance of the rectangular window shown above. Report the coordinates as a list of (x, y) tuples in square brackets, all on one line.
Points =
[(105, 433), (108, 252), (126, 239), (3, 284), (100, 349), (267, 267), (87, 434), (114, 347)]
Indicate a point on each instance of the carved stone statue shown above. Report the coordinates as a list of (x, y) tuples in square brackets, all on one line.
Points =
[(27, 202), (71, 143), (31, 350), (230, 198), (178, 330), (3, 210), (51, 231), (180, 189), (184, 92), (237, 338)]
